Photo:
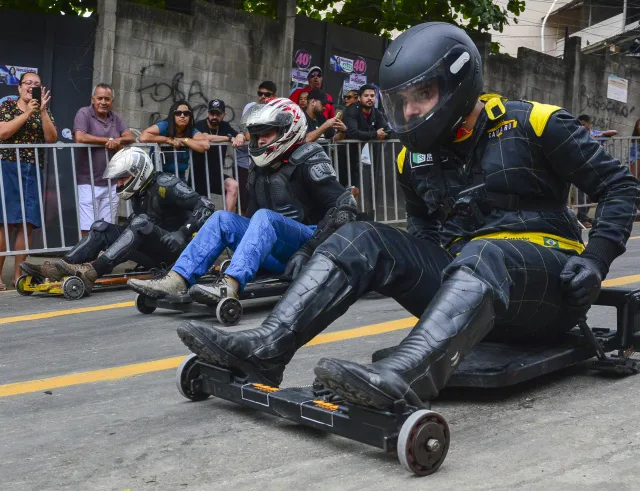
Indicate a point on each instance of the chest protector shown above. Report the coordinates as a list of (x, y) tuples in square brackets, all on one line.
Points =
[(276, 192), (152, 202)]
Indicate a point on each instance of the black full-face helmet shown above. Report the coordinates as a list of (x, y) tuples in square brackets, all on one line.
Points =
[(430, 79)]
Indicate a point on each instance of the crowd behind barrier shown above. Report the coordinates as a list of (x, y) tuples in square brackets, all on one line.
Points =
[(379, 196)]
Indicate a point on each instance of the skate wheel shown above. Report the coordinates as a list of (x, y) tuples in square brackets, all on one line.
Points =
[(229, 311), (187, 372), (20, 286), (423, 442), (73, 288), (145, 305)]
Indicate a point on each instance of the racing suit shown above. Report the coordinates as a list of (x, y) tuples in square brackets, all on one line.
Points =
[(166, 214), (489, 233), (291, 206)]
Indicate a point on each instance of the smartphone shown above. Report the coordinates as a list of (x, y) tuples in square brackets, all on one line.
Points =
[(36, 93), (339, 115)]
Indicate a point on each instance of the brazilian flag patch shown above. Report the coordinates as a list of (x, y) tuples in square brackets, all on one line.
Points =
[(549, 242)]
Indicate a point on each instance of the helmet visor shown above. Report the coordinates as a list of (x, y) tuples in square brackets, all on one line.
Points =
[(410, 104)]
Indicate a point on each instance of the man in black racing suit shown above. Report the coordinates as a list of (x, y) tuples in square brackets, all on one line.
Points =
[(166, 214), (295, 203), (491, 248)]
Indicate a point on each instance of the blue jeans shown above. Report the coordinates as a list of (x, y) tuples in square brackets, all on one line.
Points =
[(268, 240), (30, 193)]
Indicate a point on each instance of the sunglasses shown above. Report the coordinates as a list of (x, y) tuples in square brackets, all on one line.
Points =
[(182, 113), (265, 94), (347, 97), (315, 75)]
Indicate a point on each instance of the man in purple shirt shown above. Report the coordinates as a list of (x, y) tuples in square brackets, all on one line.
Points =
[(97, 124)]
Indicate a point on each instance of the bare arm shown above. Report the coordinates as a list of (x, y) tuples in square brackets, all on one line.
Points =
[(10, 128), (152, 135), (315, 134), (49, 129), (197, 143)]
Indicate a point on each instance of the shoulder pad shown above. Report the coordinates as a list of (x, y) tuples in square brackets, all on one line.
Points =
[(495, 108), (306, 152), (167, 179), (487, 97), (539, 116), (321, 171), (401, 157), (183, 191)]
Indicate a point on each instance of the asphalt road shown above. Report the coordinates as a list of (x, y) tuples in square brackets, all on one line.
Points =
[(86, 426)]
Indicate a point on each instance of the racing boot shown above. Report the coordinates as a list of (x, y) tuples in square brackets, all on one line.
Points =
[(84, 271), (320, 295), (226, 286), (458, 317), (170, 284), (44, 271)]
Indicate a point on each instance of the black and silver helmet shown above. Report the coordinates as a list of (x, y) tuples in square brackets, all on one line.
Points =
[(430, 78)]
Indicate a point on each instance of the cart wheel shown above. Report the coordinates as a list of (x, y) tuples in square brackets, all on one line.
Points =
[(145, 305), (229, 311), (186, 374), (423, 442), (223, 266), (73, 288), (20, 284)]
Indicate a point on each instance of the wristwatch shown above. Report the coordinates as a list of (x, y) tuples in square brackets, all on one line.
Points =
[(186, 140)]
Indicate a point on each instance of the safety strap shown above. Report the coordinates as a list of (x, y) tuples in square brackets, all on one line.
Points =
[(541, 238)]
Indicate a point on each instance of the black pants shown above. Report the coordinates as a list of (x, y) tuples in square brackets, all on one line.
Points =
[(145, 249), (524, 277)]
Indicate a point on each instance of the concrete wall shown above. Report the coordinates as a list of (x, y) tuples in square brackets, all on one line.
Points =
[(154, 57)]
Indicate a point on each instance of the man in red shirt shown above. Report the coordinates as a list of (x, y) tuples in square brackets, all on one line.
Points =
[(315, 82)]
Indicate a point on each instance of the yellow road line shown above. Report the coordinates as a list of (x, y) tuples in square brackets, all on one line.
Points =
[(58, 313), (168, 363), (623, 280)]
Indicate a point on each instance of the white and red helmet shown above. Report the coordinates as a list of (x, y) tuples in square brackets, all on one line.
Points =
[(280, 113)]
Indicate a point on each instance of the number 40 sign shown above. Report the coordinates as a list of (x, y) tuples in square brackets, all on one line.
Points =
[(302, 59)]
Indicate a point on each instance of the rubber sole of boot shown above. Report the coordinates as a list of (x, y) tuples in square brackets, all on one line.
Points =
[(350, 386), (194, 339)]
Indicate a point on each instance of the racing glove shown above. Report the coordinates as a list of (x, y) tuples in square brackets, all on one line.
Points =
[(296, 262), (581, 280), (174, 241)]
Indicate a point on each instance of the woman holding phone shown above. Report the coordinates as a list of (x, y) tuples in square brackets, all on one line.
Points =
[(23, 121)]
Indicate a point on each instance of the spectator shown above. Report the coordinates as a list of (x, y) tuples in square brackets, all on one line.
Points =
[(364, 122), (303, 100), (12, 79), (351, 97), (266, 90), (317, 125), (216, 130), (315, 79), (585, 121), (634, 155), (23, 121), (98, 125), (178, 131)]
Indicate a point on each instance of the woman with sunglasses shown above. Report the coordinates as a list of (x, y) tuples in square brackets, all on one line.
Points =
[(350, 97), (178, 131)]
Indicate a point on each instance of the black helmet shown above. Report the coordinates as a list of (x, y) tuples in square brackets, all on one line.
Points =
[(430, 78)]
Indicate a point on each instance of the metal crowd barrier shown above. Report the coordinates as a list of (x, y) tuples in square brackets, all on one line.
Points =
[(368, 166)]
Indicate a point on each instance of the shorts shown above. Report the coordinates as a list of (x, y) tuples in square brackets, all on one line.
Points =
[(11, 191), (107, 209)]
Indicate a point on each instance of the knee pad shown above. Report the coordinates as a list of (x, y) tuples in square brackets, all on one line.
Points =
[(122, 247), (99, 226), (142, 224)]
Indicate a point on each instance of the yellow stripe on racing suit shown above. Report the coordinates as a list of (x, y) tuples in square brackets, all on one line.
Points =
[(546, 240)]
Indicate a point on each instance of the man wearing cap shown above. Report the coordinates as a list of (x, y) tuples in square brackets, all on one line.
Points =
[(318, 126), (315, 79), (217, 130)]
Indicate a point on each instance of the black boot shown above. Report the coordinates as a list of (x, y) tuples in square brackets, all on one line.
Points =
[(314, 300), (457, 318)]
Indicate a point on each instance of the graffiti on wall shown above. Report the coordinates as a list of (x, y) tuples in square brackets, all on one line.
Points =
[(602, 110), (174, 91)]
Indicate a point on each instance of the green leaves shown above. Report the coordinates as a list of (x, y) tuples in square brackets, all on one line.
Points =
[(66, 7)]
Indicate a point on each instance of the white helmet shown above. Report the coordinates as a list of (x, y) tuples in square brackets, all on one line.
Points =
[(133, 162), (280, 113)]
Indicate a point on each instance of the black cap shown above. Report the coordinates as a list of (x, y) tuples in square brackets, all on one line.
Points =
[(318, 95), (216, 105)]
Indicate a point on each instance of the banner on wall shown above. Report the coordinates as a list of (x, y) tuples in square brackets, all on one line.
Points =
[(10, 74), (340, 64), (299, 76), (354, 82)]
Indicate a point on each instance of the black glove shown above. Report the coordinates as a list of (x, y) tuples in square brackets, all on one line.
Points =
[(296, 263), (174, 241), (581, 281)]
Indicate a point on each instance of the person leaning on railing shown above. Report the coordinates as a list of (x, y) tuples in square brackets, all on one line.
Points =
[(178, 130), (25, 121), (99, 125)]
